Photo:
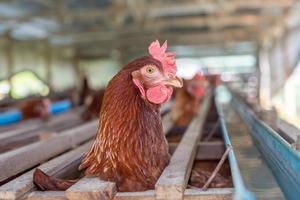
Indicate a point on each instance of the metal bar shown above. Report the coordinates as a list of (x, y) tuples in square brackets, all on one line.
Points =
[(241, 192)]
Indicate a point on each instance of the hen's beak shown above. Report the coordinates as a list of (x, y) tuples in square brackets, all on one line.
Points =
[(174, 81)]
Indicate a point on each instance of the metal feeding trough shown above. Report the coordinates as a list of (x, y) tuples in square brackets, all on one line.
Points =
[(280, 154)]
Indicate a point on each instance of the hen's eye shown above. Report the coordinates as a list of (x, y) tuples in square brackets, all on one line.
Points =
[(150, 70)]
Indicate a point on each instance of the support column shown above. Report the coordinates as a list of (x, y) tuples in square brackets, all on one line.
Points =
[(9, 59), (265, 76), (48, 64)]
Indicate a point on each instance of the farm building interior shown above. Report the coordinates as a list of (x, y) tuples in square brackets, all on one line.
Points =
[(149, 99)]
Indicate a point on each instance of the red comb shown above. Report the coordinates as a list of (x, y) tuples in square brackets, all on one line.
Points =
[(167, 59)]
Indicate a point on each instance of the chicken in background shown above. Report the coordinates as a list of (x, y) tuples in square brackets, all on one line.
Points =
[(130, 148), (214, 80), (35, 108), (187, 100), (91, 100), (93, 106)]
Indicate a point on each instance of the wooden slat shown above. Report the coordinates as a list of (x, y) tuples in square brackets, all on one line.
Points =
[(189, 194), (204, 150), (21, 134), (210, 194), (16, 161), (57, 123), (18, 131), (49, 195), (23, 125), (19, 125), (146, 195), (91, 188), (23, 184), (167, 123), (173, 181)]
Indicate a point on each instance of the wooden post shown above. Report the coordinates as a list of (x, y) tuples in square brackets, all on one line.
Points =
[(265, 76), (48, 63), (76, 65), (9, 58)]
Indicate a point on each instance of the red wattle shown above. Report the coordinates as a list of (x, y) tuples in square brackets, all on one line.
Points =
[(159, 94)]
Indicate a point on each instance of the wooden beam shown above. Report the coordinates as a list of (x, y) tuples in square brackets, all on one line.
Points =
[(190, 194), (209, 7), (48, 195), (48, 63), (13, 162), (91, 189), (60, 165), (173, 180), (211, 21), (26, 133), (210, 194)]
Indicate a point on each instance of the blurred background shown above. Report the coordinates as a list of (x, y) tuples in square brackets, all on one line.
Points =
[(48, 46)]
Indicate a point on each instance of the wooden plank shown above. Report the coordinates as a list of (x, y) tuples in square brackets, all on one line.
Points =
[(18, 131), (189, 194), (13, 162), (47, 195), (204, 150), (167, 123), (57, 123), (146, 195), (91, 188), (173, 181), (210, 194), (23, 184), (21, 134), (13, 141), (72, 114)]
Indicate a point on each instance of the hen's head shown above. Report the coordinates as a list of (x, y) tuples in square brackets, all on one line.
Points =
[(157, 74), (197, 85)]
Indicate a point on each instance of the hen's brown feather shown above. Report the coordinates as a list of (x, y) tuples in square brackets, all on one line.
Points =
[(45, 182)]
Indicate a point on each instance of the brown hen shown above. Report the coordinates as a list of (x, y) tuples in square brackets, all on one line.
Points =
[(187, 100), (130, 147), (35, 108)]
